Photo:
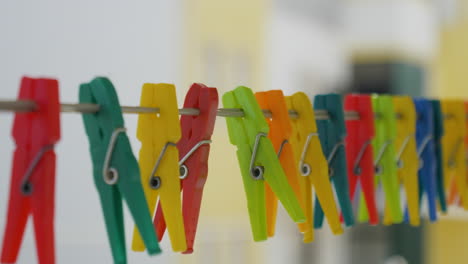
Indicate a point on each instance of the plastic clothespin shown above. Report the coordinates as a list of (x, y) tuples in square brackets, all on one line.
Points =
[(32, 189), (453, 150), (258, 161), (407, 158), (194, 149), (115, 169), (332, 133), (312, 165), (159, 160), (438, 134), (279, 134), (384, 156), (426, 153), (359, 153)]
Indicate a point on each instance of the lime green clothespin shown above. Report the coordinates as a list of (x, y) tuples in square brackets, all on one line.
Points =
[(258, 161), (115, 169), (384, 152)]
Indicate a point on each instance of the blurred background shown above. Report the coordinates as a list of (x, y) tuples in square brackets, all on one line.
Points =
[(414, 47)]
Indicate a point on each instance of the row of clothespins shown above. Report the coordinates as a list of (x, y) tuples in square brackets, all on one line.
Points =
[(288, 150)]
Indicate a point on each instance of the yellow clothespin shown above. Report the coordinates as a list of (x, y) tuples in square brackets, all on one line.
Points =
[(453, 150), (407, 156), (159, 160), (312, 165)]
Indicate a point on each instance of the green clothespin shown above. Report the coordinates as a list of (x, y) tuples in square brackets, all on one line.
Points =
[(332, 133), (386, 170), (438, 133), (115, 169), (258, 161)]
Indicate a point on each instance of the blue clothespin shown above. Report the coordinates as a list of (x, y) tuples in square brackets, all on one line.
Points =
[(332, 132), (438, 119), (426, 153)]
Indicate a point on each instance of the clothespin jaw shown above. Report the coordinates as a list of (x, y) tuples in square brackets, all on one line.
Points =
[(407, 158), (438, 120), (32, 188), (193, 152), (312, 165), (332, 133), (159, 160), (453, 151), (384, 153), (258, 161), (279, 134), (115, 169), (426, 153), (359, 153)]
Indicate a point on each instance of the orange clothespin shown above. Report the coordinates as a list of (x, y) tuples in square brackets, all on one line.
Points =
[(312, 165), (159, 160), (280, 131)]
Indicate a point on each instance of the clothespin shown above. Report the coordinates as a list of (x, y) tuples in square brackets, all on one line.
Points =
[(332, 133), (258, 161), (453, 150), (407, 158), (384, 156), (426, 153), (279, 134), (194, 148), (159, 160), (115, 169), (312, 165), (32, 188), (359, 153), (438, 119)]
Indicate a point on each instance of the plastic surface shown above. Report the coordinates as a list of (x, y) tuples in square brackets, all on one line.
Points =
[(154, 132), (32, 131), (194, 130), (408, 163), (359, 136), (99, 128), (279, 134), (243, 132), (332, 133), (386, 167), (454, 151), (303, 127), (427, 170), (438, 134)]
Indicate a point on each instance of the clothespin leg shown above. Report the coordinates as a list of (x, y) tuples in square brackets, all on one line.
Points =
[(306, 192), (363, 215), (258, 220), (325, 196), (18, 209), (271, 210)]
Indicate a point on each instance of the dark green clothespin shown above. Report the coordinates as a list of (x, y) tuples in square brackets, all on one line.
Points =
[(115, 169), (438, 133), (332, 132)]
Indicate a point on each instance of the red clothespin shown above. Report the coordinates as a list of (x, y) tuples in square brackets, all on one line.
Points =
[(194, 150), (32, 188), (359, 154)]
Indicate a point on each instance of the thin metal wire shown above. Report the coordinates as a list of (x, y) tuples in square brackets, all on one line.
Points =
[(184, 169), (281, 147), (109, 174), (155, 181), (304, 168), (356, 167), (28, 106), (26, 186), (402, 150), (256, 171)]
